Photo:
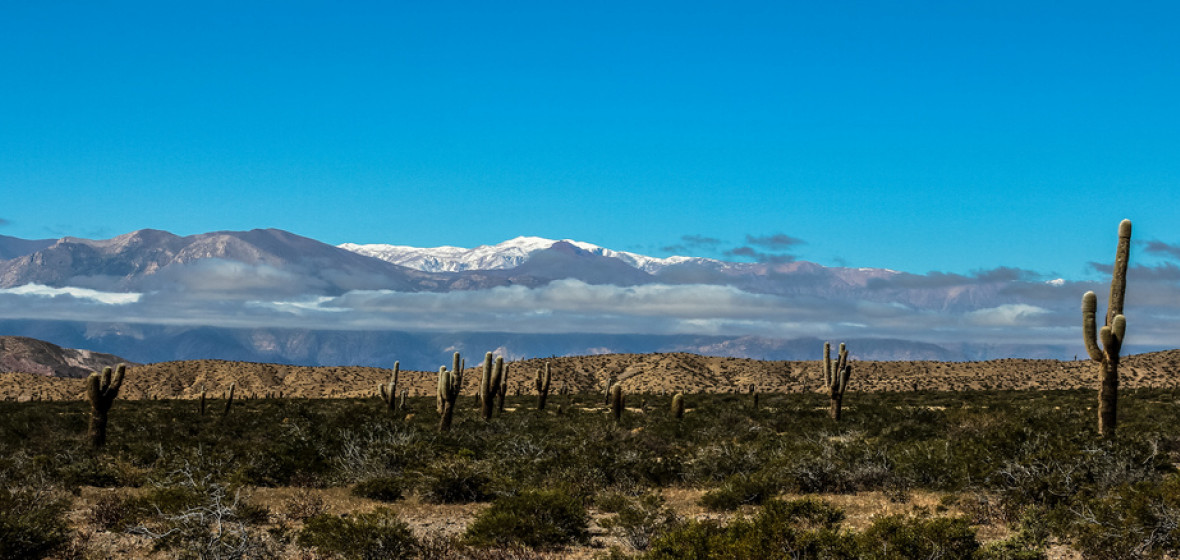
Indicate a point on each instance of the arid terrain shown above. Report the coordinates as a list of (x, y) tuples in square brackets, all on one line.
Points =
[(649, 373)]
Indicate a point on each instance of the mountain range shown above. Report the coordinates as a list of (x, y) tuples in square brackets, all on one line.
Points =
[(271, 295)]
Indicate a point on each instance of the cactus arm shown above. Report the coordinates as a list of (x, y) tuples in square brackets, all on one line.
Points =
[(93, 389), (828, 364), (1118, 280), (1119, 326), (1090, 326), (117, 381)]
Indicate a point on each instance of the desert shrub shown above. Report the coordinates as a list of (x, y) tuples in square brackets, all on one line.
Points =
[(32, 522), (167, 499), (380, 488), (721, 461), (377, 535), (697, 540), (200, 519), (533, 518), (456, 481), (739, 490), (1140, 521), (806, 529), (611, 502), (903, 538), (451, 548), (303, 504), (638, 522), (113, 512), (89, 470)]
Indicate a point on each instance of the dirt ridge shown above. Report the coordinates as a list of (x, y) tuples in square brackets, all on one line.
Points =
[(651, 373)]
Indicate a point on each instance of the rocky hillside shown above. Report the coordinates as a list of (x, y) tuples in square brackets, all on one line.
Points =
[(653, 373), (29, 355)]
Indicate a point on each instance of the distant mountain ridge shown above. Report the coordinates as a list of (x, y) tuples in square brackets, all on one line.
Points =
[(501, 256), (271, 295)]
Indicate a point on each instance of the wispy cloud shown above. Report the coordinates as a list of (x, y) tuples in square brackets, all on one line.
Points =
[(767, 249), (692, 243), (108, 298), (774, 241), (760, 256), (1160, 248)]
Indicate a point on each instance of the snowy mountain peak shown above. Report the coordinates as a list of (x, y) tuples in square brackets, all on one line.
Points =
[(505, 255)]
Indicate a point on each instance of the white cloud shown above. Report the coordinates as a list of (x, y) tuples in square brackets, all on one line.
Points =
[(109, 298), (1007, 315)]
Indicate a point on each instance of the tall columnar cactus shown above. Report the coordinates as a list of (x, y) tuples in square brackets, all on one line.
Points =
[(388, 393), (616, 402), (542, 381), (491, 384), (201, 406), (457, 364), (485, 380), (1111, 334), (101, 390), (678, 406), (450, 382), (229, 399), (754, 395), (610, 383), (503, 390), (836, 378)]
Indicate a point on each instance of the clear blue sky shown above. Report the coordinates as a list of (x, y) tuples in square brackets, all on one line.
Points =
[(916, 136)]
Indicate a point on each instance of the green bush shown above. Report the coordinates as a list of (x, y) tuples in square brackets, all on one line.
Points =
[(739, 490), (380, 488), (378, 535), (533, 518), (32, 522), (1140, 521), (806, 529), (455, 482), (903, 538)]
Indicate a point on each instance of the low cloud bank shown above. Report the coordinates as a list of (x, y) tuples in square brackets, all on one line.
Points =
[(1013, 309)]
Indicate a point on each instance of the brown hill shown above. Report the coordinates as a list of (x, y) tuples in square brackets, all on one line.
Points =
[(29, 355), (637, 373)]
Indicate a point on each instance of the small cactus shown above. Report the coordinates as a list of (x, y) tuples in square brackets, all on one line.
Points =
[(616, 402), (836, 378), (542, 382), (388, 393), (201, 406), (1111, 335), (678, 406), (101, 390), (450, 382)]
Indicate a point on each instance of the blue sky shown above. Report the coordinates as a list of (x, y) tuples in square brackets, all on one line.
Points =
[(918, 136)]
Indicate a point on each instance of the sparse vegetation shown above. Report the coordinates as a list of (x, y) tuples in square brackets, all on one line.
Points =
[(1025, 461)]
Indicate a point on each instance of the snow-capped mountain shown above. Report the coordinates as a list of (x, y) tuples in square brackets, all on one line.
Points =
[(501, 256)]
